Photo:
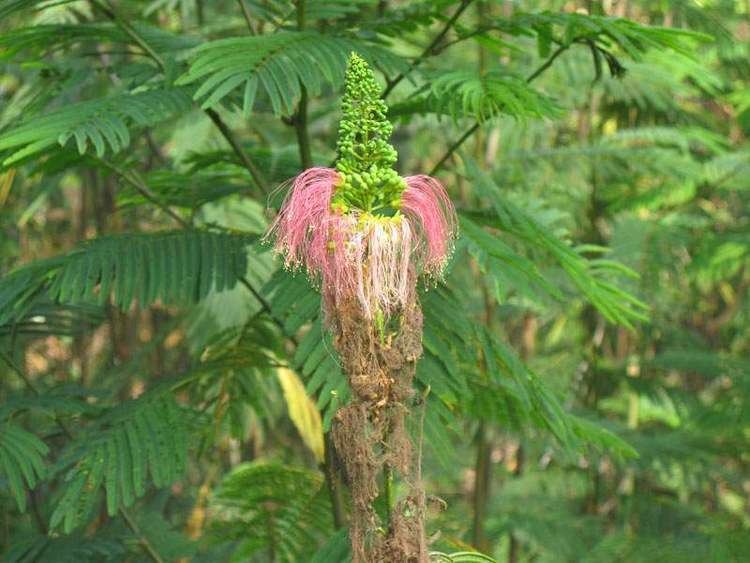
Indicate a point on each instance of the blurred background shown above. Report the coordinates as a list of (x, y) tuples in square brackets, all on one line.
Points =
[(167, 389)]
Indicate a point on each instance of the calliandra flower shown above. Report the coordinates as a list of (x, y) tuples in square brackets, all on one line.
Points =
[(364, 234), (359, 230)]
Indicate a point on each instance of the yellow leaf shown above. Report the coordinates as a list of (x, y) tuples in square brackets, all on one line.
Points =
[(6, 181), (303, 412)]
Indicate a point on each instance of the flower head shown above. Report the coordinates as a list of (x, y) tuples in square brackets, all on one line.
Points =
[(360, 230)]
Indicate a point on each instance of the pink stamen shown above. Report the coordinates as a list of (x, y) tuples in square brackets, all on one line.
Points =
[(305, 212), (427, 204), (354, 255)]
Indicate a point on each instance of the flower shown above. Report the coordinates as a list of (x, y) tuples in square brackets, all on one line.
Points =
[(360, 230)]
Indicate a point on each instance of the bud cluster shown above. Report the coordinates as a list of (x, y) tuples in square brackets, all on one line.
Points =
[(365, 162)]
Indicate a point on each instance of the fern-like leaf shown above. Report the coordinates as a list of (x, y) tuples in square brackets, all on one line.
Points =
[(41, 39), (590, 277), (273, 508), (21, 460), (633, 38), (464, 93), (278, 64), (176, 267), (143, 437), (103, 123)]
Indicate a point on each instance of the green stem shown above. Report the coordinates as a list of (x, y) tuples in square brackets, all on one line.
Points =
[(471, 130), (429, 50), (300, 117), (389, 493)]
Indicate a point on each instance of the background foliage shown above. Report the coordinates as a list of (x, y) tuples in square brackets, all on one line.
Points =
[(167, 389)]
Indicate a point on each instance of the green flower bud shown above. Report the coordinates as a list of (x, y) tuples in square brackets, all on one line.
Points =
[(365, 156)]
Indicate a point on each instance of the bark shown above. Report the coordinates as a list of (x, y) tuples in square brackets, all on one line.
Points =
[(370, 433)]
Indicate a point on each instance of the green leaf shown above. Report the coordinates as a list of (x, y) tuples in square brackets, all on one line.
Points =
[(111, 454), (279, 64), (99, 122), (21, 460)]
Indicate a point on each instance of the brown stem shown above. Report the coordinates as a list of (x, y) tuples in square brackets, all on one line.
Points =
[(370, 432), (140, 186), (333, 483), (482, 479), (121, 22), (300, 117), (514, 549), (246, 15), (391, 84), (226, 132)]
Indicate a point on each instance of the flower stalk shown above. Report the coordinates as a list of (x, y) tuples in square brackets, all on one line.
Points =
[(365, 235)]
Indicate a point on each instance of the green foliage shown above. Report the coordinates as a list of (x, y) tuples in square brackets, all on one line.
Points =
[(588, 276), (22, 456), (273, 508), (103, 123), (63, 549), (174, 267), (143, 438), (633, 38), (279, 65), (464, 93), (583, 391)]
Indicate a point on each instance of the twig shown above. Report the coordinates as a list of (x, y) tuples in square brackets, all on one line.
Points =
[(246, 15), (391, 84), (135, 181), (141, 538), (454, 147), (471, 130), (559, 51), (237, 148), (109, 11), (300, 117)]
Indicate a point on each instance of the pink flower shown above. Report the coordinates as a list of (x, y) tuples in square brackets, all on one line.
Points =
[(359, 255), (306, 209)]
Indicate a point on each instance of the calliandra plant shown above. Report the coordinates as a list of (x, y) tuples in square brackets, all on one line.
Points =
[(365, 235)]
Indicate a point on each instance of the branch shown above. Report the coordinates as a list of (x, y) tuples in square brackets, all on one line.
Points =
[(135, 181), (454, 147), (110, 12), (559, 51), (300, 117), (471, 130), (391, 84), (246, 15), (237, 148)]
